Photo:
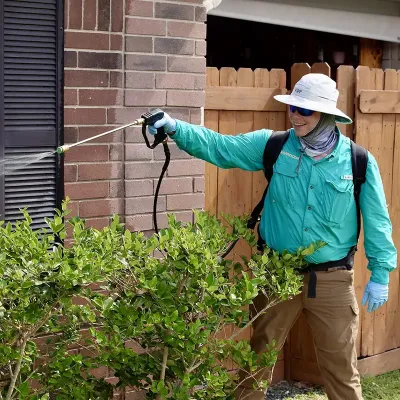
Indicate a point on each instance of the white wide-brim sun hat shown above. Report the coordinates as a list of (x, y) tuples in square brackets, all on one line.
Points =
[(316, 92)]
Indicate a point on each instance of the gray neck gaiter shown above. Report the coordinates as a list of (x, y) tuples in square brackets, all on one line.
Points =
[(321, 138)]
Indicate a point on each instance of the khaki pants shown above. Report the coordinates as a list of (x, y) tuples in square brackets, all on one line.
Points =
[(333, 318)]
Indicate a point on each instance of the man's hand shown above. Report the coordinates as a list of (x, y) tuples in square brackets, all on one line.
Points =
[(167, 122), (376, 295)]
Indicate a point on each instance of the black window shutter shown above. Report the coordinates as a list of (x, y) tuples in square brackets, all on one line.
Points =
[(31, 106)]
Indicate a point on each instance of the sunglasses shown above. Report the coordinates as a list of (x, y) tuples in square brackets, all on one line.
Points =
[(304, 112)]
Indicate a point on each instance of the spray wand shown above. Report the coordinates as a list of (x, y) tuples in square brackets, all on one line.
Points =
[(148, 118)]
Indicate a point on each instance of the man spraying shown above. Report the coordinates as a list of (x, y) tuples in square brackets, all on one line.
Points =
[(311, 197)]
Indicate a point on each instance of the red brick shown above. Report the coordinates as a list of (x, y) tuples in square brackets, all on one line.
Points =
[(84, 116), (116, 152), (99, 60), (66, 6), (145, 62), (89, 14), (139, 8), (176, 153), (139, 26), (200, 82), (86, 78), (175, 185), (73, 206), (178, 113), (86, 190), (134, 134), (174, 11), (186, 98), (117, 188), (113, 381), (116, 79), (140, 44), (185, 201), (183, 216), (139, 80), (100, 171), (195, 116), (87, 152), (199, 184), (139, 188), (100, 207), (200, 14), (141, 205), (116, 42), (100, 97), (87, 40), (138, 223), (103, 15), (86, 132), (124, 115), (135, 395), (187, 29), (80, 301), (138, 152), (184, 167), (201, 47), (135, 170), (117, 15), (145, 97), (187, 64), (70, 134), (75, 14), (70, 173), (174, 81), (98, 223), (70, 97), (70, 59), (190, 1), (174, 46)]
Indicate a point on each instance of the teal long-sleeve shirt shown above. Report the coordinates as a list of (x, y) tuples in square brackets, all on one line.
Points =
[(307, 200)]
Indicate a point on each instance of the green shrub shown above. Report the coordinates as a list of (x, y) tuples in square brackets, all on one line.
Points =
[(155, 321)]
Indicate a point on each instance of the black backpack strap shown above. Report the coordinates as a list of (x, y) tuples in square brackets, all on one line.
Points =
[(359, 162), (271, 153)]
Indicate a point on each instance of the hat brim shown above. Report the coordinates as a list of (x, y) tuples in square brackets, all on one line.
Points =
[(315, 106)]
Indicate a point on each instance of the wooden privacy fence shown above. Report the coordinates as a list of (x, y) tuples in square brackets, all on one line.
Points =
[(242, 101)]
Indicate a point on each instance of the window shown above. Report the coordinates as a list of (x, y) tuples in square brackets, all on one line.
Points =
[(31, 82)]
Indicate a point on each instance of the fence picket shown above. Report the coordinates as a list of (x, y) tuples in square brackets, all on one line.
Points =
[(395, 295), (242, 180), (321, 68), (376, 147), (388, 327), (297, 71), (345, 84), (211, 121), (365, 79), (261, 121)]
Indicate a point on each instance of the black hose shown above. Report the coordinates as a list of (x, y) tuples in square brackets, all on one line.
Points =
[(164, 169)]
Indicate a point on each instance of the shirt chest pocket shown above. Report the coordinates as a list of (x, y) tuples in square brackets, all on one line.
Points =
[(336, 199), (283, 183)]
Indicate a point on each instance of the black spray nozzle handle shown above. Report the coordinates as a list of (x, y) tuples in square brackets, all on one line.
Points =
[(150, 118)]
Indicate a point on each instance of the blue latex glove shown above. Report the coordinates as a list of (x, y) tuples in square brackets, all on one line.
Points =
[(376, 295), (167, 122)]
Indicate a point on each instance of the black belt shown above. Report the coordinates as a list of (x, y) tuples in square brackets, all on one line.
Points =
[(345, 263)]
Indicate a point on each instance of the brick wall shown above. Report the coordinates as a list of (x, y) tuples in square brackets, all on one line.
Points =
[(391, 55), (123, 57)]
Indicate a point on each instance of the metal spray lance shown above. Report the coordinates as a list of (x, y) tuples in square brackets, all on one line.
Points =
[(148, 118)]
